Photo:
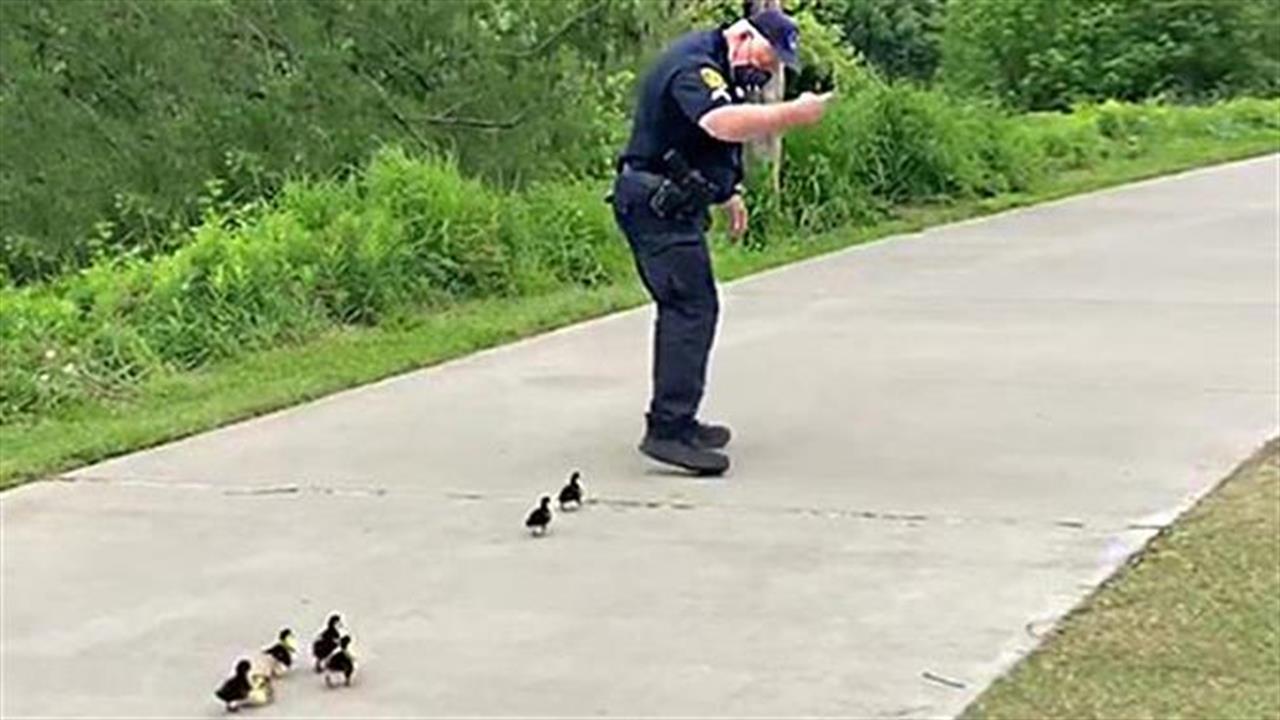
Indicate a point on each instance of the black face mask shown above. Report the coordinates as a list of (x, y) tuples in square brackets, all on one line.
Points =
[(750, 77)]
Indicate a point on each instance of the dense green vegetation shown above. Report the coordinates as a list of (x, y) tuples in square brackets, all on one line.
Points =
[(124, 122), (899, 38), (1049, 54), (182, 183)]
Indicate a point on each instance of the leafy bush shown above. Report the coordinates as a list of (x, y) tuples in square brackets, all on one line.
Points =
[(895, 144), (902, 39), (405, 233), (1051, 54), (565, 235)]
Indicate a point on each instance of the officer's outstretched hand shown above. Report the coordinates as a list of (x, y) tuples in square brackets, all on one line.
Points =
[(736, 209), (809, 107)]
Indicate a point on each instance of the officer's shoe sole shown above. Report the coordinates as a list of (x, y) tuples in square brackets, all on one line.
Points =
[(685, 455)]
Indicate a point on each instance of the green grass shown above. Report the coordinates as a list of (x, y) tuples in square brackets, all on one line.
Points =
[(170, 406), (179, 404), (1191, 629)]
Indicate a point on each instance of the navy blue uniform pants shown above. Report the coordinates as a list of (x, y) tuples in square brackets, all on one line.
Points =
[(675, 266)]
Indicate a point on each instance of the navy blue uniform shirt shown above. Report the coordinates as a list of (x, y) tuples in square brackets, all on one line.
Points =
[(690, 80)]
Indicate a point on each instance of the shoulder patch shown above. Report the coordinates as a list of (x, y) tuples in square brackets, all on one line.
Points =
[(713, 79)]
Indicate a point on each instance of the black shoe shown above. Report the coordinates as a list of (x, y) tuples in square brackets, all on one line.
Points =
[(712, 437), (685, 454)]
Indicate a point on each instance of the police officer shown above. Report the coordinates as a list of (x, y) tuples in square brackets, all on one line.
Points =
[(685, 154)]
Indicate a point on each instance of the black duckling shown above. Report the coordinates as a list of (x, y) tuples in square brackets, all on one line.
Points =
[(571, 494), (327, 641), (279, 657), (540, 518), (341, 663), (242, 689)]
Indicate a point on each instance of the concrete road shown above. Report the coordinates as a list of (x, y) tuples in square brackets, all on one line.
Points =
[(944, 441)]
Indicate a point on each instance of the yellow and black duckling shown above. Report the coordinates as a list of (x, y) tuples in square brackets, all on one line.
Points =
[(540, 518), (341, 662), (279, 657), (244, 689), (327, 641), (571, 494)]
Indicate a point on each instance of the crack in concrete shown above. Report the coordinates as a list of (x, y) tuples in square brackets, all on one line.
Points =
[(613, 503), (284, 490), (956, 684), (228, 490)]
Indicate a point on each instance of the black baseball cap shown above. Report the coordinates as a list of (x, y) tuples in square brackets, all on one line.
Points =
[(781, 32)]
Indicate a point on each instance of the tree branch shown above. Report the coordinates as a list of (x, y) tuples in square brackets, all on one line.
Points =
[(477, 123), (395, 114), (443, 119), (555, 34)]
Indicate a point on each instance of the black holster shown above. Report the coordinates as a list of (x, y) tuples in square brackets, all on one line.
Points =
[(678, 193), (686, 191)]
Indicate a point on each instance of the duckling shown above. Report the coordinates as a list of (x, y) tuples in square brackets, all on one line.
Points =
[(279, 657), (327, 641), (241, 689), (540, 518), (341, 662), (571, 493)]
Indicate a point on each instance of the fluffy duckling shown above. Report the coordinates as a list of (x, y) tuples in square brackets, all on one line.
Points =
[(327, 641), (540, 518), (242, 689), (571, 494), (341, 662), (278, 659)]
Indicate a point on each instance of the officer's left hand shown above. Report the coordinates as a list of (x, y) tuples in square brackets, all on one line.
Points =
[(736, 208)]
